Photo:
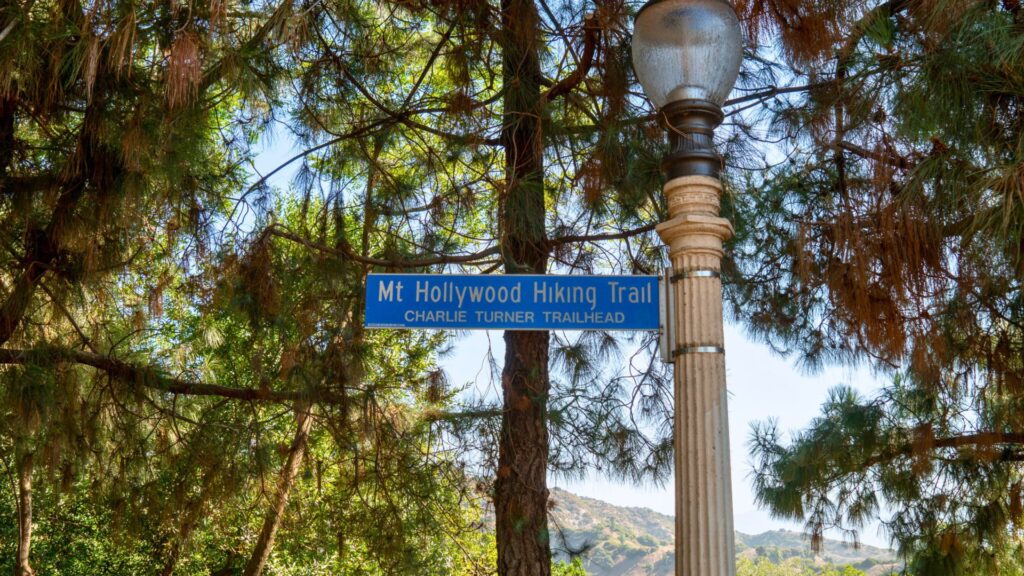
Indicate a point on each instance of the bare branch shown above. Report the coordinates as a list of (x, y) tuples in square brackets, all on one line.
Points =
[(773, 91)]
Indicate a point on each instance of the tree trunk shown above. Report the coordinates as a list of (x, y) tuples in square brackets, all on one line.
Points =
[(521, 493), (272, 521), (24, 464)]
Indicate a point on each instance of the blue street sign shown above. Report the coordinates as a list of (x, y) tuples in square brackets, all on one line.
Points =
[(512, 302)]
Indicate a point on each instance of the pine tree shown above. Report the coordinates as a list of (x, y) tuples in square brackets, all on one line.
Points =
[(490, 151), (150, 343), (106, 138), (190, 343), (891, 234)]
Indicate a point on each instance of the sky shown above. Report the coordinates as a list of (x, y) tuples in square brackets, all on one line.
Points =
[(761, 385)]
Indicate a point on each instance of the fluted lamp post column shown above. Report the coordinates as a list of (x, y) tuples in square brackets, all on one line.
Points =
[(687, 56)]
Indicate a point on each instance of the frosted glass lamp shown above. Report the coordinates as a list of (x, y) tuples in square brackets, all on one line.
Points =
[(687, 55)]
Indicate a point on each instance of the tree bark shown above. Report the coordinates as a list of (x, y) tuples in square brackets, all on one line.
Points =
[(285, 481), (521, 493), (24, 463)]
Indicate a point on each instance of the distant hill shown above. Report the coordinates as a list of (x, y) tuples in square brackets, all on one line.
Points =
[(639, 541)]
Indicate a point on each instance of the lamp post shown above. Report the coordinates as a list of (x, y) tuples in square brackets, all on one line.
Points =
[(687, 55)]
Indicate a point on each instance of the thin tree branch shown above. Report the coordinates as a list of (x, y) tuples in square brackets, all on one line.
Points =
[(277, 17), (154, 378), (601, 237), (773, 91), (286, 479), (462, 415), (346, 251), (890, 159), (983, 439), (428, 66), (356, 133), (591, 33)]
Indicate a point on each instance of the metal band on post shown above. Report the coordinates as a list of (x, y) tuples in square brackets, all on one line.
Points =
[(696, 273), (703, 349)]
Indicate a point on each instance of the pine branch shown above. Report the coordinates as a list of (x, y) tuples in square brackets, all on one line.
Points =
[(758, 97), (978, 440), (46, 245), (773, 91), (10, 26), (213, 74), (344, 250), (355, 133), (404, 115), (889, 159), (462, 415), (591, 32), (572, 239), (428, 66), (861, 28), (151, 377)]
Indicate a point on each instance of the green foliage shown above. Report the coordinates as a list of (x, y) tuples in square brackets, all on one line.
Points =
[(179, 482), (165, 313), (147, 289), (891, 235), (572, 568), (791, 567)]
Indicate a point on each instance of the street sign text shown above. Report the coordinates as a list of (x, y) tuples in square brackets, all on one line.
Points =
[(512, 302)]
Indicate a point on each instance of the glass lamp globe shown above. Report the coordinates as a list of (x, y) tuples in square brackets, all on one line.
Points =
[(687, 50)]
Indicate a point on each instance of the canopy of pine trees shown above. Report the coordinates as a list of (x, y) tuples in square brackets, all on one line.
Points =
[(186, 385), (886, 228)]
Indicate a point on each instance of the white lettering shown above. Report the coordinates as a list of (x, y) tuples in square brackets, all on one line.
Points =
[(386, 291)]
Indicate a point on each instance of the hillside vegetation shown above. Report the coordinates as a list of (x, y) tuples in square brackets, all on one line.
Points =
[(621, 541)]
